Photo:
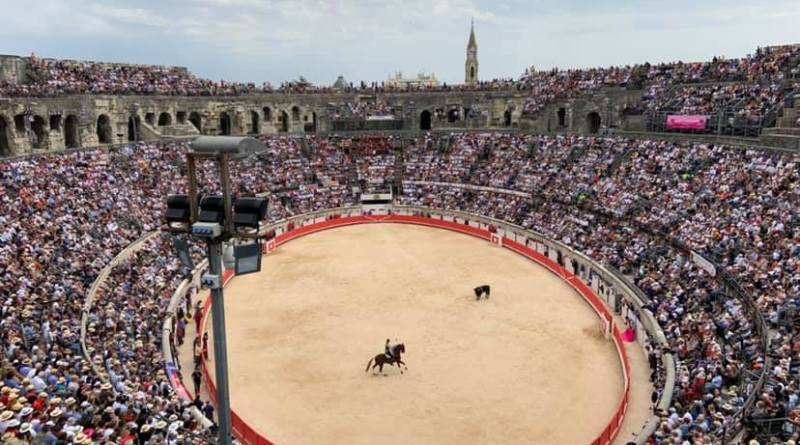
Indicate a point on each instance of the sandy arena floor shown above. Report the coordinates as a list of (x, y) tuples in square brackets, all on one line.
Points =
[(526, 367)]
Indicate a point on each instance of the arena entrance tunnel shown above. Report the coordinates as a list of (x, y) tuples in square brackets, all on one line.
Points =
[(296, 229), (593, 122), (425, 120)]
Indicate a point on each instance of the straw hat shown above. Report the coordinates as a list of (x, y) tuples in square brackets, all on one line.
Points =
[(7, 414)]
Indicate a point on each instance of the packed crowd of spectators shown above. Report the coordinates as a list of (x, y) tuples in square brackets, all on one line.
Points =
[(377, 109), (737, 207), (759, 81), (633, 205), (65, 217), (746, 100)]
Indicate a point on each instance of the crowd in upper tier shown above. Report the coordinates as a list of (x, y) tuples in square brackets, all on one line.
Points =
[(630, 204), (749, 86)]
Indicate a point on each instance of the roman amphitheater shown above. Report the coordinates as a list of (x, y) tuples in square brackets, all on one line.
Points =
[(638, 227)]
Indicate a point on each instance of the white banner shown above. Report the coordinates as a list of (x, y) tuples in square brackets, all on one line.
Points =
[(704, 264)]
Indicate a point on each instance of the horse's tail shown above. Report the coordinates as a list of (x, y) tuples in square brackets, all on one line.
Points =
[(369, 364)]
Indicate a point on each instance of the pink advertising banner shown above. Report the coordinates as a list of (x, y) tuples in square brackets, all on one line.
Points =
[(687, 122)]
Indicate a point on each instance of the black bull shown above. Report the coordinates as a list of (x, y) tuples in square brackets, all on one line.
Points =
[(483, 290)]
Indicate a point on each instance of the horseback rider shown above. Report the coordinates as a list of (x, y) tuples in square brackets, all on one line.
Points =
[(388, 349)]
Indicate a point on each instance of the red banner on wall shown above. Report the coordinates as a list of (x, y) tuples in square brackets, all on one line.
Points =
[(687, 122)]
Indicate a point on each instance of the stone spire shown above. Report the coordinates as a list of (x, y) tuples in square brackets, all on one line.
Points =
[(471, 66), (472, 44)]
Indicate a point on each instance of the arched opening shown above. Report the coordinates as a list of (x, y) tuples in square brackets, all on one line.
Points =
[(39, 132), (19, 124), (255, 122), (71, 138), (310, 126), (196, 120), (134, 129), (225, 124), (150, 118), (5, 148), (55, 122), (104, 131), (267, 114), (593, 122), (295, 114), (562, 117), (284, 118), (181, 117), (452, 116), (472, 73), (164, 119), (507, 118), (425, 120)]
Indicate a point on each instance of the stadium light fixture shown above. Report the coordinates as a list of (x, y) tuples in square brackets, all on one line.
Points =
[(178, 209), (248, 258), (212, 209), (235, 147), (249, 212), (212, 219)]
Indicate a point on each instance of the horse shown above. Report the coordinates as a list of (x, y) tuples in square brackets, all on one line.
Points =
[(381, 359), (481, 290)]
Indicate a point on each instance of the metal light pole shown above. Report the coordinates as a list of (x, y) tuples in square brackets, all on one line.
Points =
[(220, 149), (220, 343)]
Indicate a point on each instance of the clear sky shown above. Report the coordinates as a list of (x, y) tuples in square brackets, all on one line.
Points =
[(277, 40)]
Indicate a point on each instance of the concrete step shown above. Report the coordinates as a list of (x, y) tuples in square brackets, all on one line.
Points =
[(794, 131), (787, 122), (789, 141)]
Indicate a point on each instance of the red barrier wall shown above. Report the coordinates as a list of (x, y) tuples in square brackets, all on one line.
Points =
[(249, 436)]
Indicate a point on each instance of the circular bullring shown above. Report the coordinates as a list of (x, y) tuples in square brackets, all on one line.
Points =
[(526, 366)]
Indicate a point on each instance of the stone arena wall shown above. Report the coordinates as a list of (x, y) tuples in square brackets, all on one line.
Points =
[(41, 125)]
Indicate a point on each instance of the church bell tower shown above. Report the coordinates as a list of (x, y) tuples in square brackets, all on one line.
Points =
[(471, 66)]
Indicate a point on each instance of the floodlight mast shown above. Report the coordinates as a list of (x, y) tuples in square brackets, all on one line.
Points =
[(220, 149)]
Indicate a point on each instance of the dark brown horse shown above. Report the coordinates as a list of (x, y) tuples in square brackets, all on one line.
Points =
[(382, 359)]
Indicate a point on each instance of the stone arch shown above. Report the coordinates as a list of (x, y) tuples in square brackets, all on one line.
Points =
[(255, 122), (164, 119), (507, 117), (593, 122), (71, 135), (5, 146), (39, 132), (104, 130), (150, 118), (196, 120), (267, 114), (295, 113), (134, 128), (225, 124), (452, 115), (425, 120), (284, 121), (562, 117), (55, 122)]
